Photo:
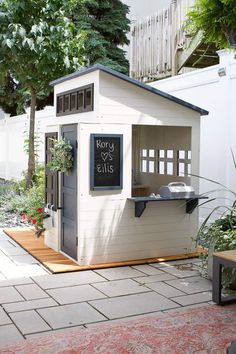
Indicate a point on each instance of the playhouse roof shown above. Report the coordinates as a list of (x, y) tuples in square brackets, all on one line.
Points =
[(131, 81)]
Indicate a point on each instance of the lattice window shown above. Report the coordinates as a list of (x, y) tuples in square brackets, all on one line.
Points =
[(183, 163), (75, 101), (148, 161), (166, 162)]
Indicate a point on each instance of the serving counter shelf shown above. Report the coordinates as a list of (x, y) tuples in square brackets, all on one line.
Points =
[(141, 202)]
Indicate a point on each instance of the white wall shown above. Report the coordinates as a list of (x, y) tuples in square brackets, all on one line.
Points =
[(217, 94)]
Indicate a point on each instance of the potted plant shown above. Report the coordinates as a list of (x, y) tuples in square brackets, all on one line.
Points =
[(62, 156)]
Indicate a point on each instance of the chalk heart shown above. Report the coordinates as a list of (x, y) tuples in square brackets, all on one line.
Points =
[(104, 156)]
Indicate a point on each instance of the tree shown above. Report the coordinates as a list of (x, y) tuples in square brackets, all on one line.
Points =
[(38, 43), (216, 18), (106, 25)]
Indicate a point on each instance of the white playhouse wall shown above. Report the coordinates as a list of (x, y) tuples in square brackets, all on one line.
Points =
[(108, 229)]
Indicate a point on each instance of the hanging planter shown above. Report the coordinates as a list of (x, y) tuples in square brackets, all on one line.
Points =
[(62, 156)]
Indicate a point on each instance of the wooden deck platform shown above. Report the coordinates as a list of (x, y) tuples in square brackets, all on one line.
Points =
[(57, 263)]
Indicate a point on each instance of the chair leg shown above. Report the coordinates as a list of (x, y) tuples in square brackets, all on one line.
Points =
[(216, 280)]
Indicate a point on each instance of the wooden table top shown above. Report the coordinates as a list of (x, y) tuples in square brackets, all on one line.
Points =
[(229, 255)]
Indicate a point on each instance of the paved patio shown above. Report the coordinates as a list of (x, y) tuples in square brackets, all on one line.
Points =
[(35, 302)]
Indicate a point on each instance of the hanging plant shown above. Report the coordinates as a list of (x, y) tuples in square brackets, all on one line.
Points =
[(62, 156)]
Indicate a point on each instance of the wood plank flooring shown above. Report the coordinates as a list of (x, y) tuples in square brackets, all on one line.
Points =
[(57, 263)]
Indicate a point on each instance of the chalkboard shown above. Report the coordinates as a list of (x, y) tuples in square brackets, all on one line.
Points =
[(106, 170)]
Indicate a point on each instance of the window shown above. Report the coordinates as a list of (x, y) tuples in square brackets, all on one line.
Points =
[(183, 163), (75, 101), (166, 162)]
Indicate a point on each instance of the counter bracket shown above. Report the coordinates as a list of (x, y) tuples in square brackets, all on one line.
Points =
[(141, 202)]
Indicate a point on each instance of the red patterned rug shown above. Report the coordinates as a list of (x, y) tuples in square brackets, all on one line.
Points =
[(209, 329)]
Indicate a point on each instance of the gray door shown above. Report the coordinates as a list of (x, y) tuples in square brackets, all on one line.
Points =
[(69, 198)]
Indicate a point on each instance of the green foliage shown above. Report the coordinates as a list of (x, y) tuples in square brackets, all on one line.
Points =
[(216, 19), (35, 51), (93, 33), (37, 143), (106, 25), (42, 48), (62, 156), (20, 200)]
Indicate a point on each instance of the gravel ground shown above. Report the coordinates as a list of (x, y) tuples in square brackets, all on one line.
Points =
[(9, 219)]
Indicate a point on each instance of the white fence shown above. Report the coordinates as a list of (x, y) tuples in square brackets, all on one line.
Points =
[(13, 131), (156, 40)]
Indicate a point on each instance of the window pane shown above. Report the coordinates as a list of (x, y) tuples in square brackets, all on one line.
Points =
[(73, 103), (181, 154), (181, 169), (144, 153), (170, 168), (161, 168), (59, 104), (189, 168), (151, 153), (189, 155), (144, 166), (151, 167), (170, 154), (66, 103), (81, 101), (161, 153), (88, 94)]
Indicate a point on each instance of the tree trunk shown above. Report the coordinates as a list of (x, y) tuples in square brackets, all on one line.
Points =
[(230, 36), (31, 159)]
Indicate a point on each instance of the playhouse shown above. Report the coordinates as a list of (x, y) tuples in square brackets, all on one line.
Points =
[(128, 140)]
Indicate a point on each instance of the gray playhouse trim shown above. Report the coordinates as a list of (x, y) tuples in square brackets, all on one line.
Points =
[(126, 78)]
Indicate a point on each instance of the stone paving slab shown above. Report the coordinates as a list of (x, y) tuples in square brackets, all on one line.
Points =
[(193, 298), (23, 271), (68, 279), (52, 332), (9, 334), (184, 308), (24, 259), (31, 291), (154, 278), (130, 305), (79, 293), (16, 281), (119, 273), (70, 315), (191, 285), (121, 287), (4, 319), (9, 294), (29, 305), (125, 319), (147, 269), (29, 322), (180, 273), (13, 251), (177, 262), (165, 289)]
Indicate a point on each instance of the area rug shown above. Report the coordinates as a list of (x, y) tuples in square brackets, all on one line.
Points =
[(205, 330)]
